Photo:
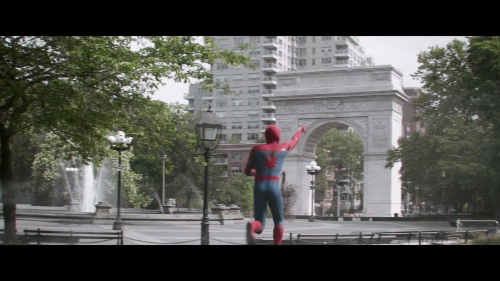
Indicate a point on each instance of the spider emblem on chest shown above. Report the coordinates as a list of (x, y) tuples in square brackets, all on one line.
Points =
[(271, 160)]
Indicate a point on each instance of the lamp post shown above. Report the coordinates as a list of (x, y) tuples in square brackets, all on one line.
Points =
[(313, 170), (208, 132), (119, 143), (416, 200), (408, 198), (163, 182)]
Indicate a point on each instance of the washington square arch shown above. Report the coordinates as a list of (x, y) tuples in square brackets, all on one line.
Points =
[(368, 99)]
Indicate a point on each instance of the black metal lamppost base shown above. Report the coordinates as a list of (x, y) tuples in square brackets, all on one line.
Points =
[(118, 225)]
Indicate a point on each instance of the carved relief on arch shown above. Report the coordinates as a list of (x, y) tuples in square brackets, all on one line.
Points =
[(362, 123), (380, 133), (332, 104), (381, 76), (287, 130)]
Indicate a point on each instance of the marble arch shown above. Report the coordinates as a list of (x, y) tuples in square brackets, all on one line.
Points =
[(368, 99)]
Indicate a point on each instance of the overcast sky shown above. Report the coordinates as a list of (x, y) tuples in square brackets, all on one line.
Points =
[(398, 51)]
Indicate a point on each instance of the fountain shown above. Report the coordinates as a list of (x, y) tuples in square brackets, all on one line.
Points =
[(88, 187), (88, 195)]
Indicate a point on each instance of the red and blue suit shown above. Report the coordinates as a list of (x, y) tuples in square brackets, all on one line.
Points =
[(265, 163)]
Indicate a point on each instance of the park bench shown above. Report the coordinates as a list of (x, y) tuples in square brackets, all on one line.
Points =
[(413, 237), (335, 239), (39, 237)]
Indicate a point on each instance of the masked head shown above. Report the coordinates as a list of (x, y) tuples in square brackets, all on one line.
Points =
[(273, 134)]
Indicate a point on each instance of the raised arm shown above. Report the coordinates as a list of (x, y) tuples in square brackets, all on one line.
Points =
[(296, 137)]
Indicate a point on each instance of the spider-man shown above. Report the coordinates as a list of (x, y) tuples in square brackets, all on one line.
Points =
[(265, 163)]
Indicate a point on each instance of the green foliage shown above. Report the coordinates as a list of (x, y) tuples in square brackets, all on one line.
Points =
[(238, 189), (481, 239), (456, 160), (339, 148), (81, 88)]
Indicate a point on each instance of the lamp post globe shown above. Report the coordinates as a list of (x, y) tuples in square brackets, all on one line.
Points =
[(119, 143), (312, 169), (208, 132)]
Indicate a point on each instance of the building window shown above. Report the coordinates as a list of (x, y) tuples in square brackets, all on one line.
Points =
[(221, 66), (280, 42), (237, 157), (221, 103), (256, 62), (237, 77), (302, 51), (254, 53), (314, 51), (254, 39), (301, 62), (222, 42), (222, 78), (238, 90), (238, 66), (237, 113), (236, 136), (253, 113), (221, 92), (237, 102), (254, 76), (326, 60), (236, 170), (253, 102), (239, 40), (236, 125), (238, 51), (221, 114), (253, 124), (253, 136), (254, 90), (224, 125), (326, 38), (326, 49), (313, 61), (314, 39), (301, 39)]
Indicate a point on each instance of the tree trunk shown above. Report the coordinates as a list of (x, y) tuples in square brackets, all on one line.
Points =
[(8, 192)]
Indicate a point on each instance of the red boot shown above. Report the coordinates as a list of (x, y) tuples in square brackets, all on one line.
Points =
[(278, 234), (252, 228)]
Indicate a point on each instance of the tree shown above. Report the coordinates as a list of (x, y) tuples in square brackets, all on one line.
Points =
[(79, 88), (238, 189), (457, 158), (336, 148)]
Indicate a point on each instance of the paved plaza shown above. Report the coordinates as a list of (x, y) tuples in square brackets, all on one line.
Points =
[(232, 233)]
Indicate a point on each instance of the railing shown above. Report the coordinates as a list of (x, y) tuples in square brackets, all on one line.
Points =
[(270, 53), (269, 65), (344, 62), (271, 78), (268, 115), (270, 41), (268, 93), (339, 52)]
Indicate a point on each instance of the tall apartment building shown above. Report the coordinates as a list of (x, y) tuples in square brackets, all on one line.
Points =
[(245, 117)]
